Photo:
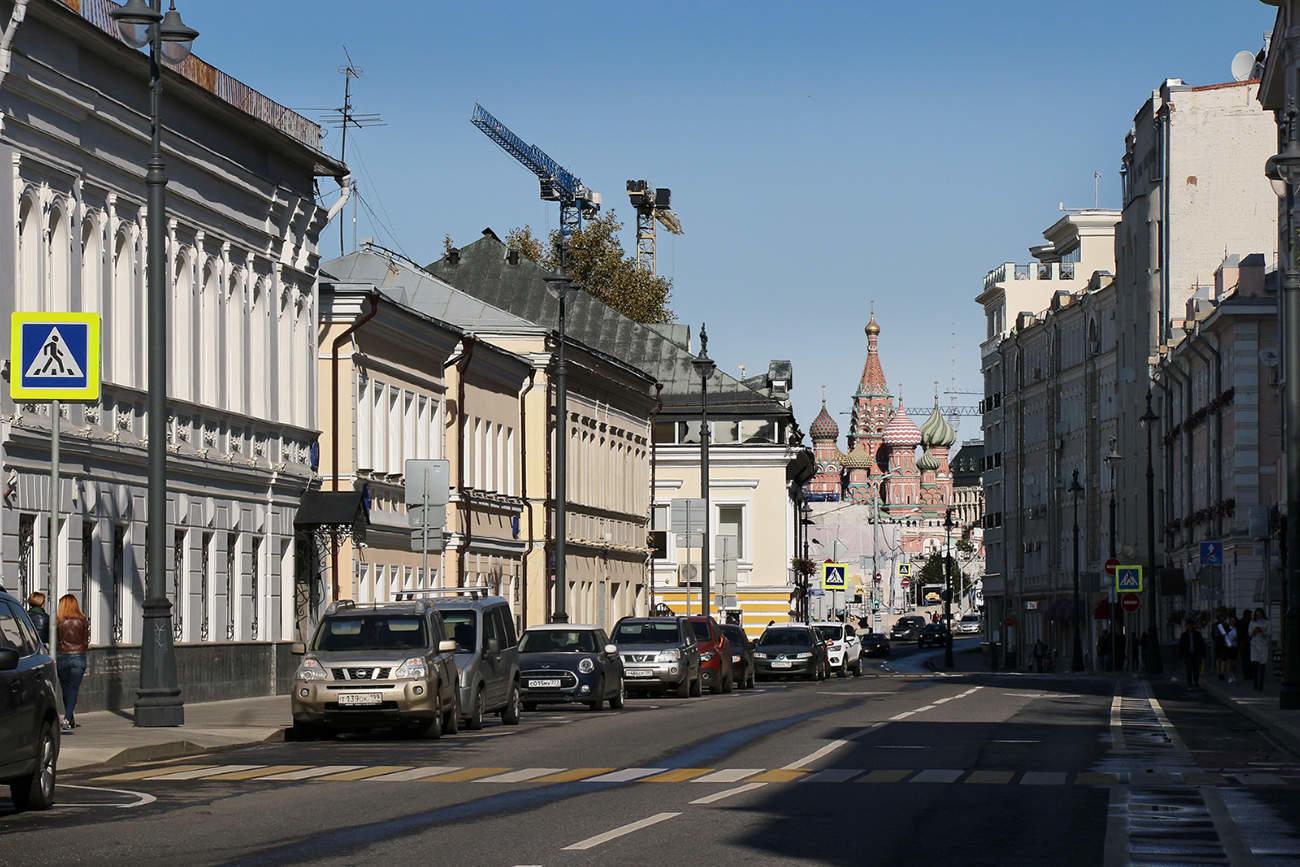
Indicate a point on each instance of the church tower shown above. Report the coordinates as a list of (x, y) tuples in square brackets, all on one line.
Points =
[(825, 433), (872, 403)]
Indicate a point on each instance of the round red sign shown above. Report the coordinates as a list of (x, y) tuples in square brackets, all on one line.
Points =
[(1130, 602), (1110, 566), (904, 583)]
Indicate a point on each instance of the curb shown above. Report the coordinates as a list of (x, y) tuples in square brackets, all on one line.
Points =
[(1284, 736), (168, 750)]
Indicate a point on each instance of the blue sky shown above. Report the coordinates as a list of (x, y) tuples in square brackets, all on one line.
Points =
[(821, 155)]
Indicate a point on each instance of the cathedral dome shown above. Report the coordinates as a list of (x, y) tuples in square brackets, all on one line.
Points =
[(927, 462), (937, 432), (824, 427), (873, 327), (901, 430), (858, 459)]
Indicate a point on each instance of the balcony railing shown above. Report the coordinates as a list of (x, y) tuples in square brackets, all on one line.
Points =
[(1030, 271)]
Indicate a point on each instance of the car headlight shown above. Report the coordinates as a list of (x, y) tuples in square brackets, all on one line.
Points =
[(413, 669), (668, 655), (758, 654), (586, 666), (803, 656), (735, 659), (707, 655), (310, 669)]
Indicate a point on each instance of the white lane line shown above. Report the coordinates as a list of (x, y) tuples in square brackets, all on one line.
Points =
[(814, 755), (904, 715), (1168, 727), (622, 830), (944, 700), (727, 793), (308, 773), (626, 775), (520, 776), (1117, 739), (142, 798), (727, 775), (925, 708), (204, 772), (403, 776)]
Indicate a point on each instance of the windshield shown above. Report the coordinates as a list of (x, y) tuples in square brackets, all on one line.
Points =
[(647, 632), (558, 641), (371, 632), (701, 628), (463, 626), (830, 633), (909, 621), (786, 636), (971, 618)]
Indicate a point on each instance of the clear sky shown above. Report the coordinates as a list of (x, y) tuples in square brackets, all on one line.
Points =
[(821, 155)]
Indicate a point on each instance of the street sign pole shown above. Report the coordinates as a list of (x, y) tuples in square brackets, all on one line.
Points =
[(424, 530), (56, 408)]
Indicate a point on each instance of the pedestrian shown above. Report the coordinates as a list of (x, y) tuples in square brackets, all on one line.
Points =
[(1243, 644), (1260, 647), (1231, 639), (36, 611), (1103, 649), (1191, 647), (1040, 652), (1219, 637), (74, 641)]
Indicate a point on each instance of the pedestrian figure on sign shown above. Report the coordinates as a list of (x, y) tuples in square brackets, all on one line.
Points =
[(1191, 647), (53, 355), (1260, 646)]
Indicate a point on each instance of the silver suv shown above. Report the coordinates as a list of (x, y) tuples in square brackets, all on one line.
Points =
[(659, 653), (487, 654), (387, 665)]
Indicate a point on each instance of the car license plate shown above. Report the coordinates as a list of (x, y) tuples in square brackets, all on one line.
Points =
[(355, 699), (781, 663), (638, 672), (553, 683)]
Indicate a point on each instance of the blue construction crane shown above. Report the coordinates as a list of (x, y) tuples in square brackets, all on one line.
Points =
[(557, 183)]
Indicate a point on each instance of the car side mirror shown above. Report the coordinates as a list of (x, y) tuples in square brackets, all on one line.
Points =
[(8, 659), (447, 645), (297, 648), (611, 649)]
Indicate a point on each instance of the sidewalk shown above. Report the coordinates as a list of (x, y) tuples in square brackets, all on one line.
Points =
[(1258, 707), (104, 737)]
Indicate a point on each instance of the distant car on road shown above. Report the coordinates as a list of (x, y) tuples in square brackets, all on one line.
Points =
[(969, 624), (875, 644), (790, 650), (715, 654), (562, 662), (933, 635), (659, 654), (907, 628), (742, 655), (843, 650), (29, 711)]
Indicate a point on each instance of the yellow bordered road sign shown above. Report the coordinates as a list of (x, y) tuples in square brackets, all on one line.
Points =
[(54, 356), (1128, 579), (835, 576)]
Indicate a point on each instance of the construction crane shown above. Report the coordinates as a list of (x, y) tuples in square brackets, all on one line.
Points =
[(652, 205), (558, 184)]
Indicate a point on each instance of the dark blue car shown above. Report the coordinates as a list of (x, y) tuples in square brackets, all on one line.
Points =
[(563, 663)]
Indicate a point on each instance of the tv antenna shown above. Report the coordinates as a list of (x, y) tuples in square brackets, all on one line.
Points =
[(346, 116), (1096, 189)]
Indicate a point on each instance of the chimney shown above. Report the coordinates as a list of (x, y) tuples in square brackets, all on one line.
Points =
[(512, 256), (453, 256)]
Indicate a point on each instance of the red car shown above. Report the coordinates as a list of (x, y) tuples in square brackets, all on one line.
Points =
[(715, 654)]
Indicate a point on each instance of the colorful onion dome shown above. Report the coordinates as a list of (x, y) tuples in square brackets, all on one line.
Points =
[(858, 459), (824, 426), (927, 462), (901, 430), (936, 432)]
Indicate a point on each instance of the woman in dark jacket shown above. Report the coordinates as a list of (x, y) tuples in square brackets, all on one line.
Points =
[(36, 611)]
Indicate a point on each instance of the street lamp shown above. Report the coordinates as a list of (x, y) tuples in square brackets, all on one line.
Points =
[(1112, 461), (805, 519), (1152, 652), (948, 525), (562, 289), (704, 366), (1076, 661), (158, 701), (1283, 171)]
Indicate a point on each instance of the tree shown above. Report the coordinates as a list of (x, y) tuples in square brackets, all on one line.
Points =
[(597, 262), (932, 573)]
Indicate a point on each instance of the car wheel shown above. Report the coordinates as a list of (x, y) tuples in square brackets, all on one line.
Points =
[(727, 685), (844, 668), (36, 790), (716, 686), (684, 688), (596, 705), (474, 721), (857, 668), (697, 686), (510, 713), (451, 719), (433, 728), (620, 697), (753, 679)]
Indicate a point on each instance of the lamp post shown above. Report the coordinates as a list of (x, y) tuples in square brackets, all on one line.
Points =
[(806, 520), (1076, 659), (704, 366), (1152, 652), (158, 701), (947, 596), (1283, 171), (562, 289), (1112, 461)]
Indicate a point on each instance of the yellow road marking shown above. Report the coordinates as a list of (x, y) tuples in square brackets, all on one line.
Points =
[(152, 772), (258, 772), (364, 773), (999, 777), (466, 775), (780, 775), (677, 775), (572, 775), (894, 776)]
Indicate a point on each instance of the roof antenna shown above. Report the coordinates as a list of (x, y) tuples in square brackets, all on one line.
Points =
[(344, 117), (1096, 189)]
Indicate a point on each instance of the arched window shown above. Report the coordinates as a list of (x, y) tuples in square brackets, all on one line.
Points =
[(209, 335), (236, 361), (283, 359), (92, 264), (29, 256), (181, 368), (1094, 338), (58, 298)]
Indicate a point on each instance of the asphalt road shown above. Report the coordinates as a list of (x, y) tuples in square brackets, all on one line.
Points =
[(888, 768)]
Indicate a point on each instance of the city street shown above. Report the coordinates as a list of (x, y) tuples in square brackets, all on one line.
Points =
[(878, 769)]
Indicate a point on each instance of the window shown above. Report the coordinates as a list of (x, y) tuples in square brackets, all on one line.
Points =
[(88, 559), (205, 584), (688, 432), (659, 531), (26, 554), (757, 431), (254, 583), (232, 588), (731, 522), (665, 432), (11, 636), (119, 582), (725, 432), (488, 482), (504, 628), (364, 454), (178, 585)]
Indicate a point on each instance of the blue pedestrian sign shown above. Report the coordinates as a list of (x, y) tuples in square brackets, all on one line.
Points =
[(54, 356), (835, 576), (1211, 553), (1128, 579)]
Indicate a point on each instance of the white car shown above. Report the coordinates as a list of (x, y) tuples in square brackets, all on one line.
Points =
[(969, 624), (843, 647)]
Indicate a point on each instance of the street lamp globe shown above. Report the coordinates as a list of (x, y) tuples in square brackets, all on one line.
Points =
[(134, 20), (177, 37)]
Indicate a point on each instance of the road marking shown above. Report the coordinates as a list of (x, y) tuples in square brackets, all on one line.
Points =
[(140, 775), (365, 773), (626, 775), (1043, 778), (896, 776), (677, 775), (201, 772), (1096, 778), (727, 793), (142, 798), (572, 775), (904, 715), (924, 708), (937, 775), (257, 773), (1016, 741), (815, 755), (310, 773), (413, 774), (519, 776), (780, 775), (1117, 739), (622, 830), (1000, 778), (834, 775), (944, 700), (729, 775), (465, 775)]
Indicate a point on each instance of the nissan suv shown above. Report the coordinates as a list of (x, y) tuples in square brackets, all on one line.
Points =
[(487, 654), (659, 654), (29, 711), (387, 665)]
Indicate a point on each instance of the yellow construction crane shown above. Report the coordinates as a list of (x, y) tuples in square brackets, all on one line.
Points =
[(652, 205)]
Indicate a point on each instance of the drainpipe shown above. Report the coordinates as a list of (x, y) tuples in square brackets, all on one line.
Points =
[(1166, 118), (654, 458), (523, 495), (462, 492), (1199, 339), (1171, 373), (373, 298), (345, 193), (6, 45)]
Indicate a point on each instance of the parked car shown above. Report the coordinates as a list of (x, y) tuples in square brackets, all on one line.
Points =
[(933, 635), (907, 628), (969, 624), (29, 711), (843, 650), (789, 650), (560, 662), (742, 655), (659, 654), (487, 655), (875, 644), (389, 665), (715, 654)]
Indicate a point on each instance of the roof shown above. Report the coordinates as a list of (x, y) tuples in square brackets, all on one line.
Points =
[(901, 430), (824, 426), (967, 465), (518, 285)]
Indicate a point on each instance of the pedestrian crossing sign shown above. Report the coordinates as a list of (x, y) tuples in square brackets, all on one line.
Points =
[(54, 356), (835, 576), (1128, 579)]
